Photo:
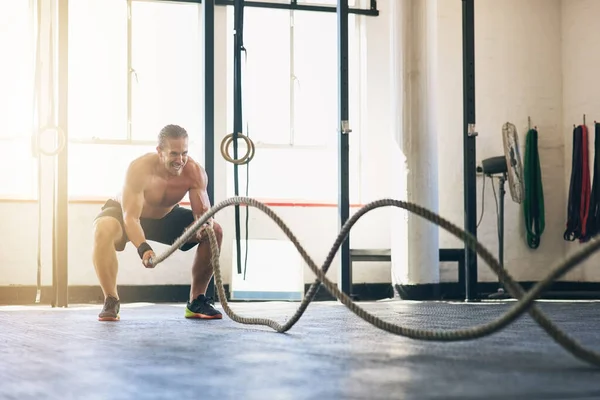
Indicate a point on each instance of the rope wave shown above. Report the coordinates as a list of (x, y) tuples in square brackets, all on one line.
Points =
[(525, 303)]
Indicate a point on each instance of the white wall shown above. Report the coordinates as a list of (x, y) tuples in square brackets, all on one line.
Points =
[(538, 62), (581, 53), (518, 74)]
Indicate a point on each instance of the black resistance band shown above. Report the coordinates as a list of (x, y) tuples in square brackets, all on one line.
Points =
[(574, 223), (593, 221)]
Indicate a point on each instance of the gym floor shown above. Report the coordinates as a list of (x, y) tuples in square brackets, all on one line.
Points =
[(154, 353)]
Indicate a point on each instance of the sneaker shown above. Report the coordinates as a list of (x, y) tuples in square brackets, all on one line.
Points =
[(110, 311), (202, 308)]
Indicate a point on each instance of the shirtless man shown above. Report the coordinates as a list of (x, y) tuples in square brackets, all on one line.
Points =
[(148, 209)]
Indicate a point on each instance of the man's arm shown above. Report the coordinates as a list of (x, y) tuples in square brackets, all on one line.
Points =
[(133, 203), (199, 201)]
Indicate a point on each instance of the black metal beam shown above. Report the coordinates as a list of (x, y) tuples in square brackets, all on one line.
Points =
[(61, 200), (343, 142), (293, 5), (372, 11), (469, 145), (208, 14), (238, 121)]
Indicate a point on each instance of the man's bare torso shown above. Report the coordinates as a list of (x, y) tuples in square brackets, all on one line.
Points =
[(162, 191)]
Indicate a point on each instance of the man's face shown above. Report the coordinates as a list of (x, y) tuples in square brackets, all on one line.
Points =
[(174, 155)]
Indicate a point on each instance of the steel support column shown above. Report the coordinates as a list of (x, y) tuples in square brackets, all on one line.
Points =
[(60, 237), (208, 14), (469, 145), (238, 121), (345, 281)]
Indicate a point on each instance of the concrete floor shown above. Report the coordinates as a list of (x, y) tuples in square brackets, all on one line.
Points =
[(154, 353)]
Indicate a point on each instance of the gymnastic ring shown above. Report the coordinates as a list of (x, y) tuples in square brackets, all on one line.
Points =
[(228, 140), (62, 139), (247, 157)]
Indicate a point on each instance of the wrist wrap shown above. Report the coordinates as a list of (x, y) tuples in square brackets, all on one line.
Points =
[(144, 247)]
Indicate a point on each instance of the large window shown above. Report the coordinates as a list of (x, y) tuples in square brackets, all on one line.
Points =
[(17, 46), (290, 104), (134, 67)]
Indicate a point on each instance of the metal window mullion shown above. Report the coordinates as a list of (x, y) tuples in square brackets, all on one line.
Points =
[(292, 81), (130, 71)]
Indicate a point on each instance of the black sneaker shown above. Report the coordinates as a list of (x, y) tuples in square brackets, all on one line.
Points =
[(202, 308), (110, 311)]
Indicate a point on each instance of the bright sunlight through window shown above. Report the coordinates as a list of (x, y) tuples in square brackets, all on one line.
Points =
[(130, 77), (17, 47)]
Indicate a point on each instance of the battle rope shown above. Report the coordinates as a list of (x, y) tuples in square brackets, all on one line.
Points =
[(593, 221), (525, 303), (533, 203)]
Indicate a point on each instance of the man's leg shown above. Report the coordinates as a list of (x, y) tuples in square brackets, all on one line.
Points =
[(107, 232), (202, 270), (199, 305), (169, 229)]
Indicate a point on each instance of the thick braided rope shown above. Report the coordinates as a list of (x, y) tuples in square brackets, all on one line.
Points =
[(525, 303)]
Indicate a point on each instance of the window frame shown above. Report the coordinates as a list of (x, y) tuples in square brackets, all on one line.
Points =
[(359, 30)]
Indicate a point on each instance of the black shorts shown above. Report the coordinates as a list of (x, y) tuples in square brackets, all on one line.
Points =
[(165, 230)]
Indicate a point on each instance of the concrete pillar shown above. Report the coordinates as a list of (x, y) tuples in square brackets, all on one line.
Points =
[(415, 259)]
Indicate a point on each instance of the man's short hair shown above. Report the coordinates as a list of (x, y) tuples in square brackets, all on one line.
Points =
[(170, 132)]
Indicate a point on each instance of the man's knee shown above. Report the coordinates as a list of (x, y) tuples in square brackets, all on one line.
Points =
[(218, 235), (107, 230), (218, 231)]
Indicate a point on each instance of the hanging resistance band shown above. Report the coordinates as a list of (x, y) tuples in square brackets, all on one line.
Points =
[(593, 221), (585, 182), (533, 204), (577, 210)]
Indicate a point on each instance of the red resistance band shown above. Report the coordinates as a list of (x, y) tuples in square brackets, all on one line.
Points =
[(579, 188)]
